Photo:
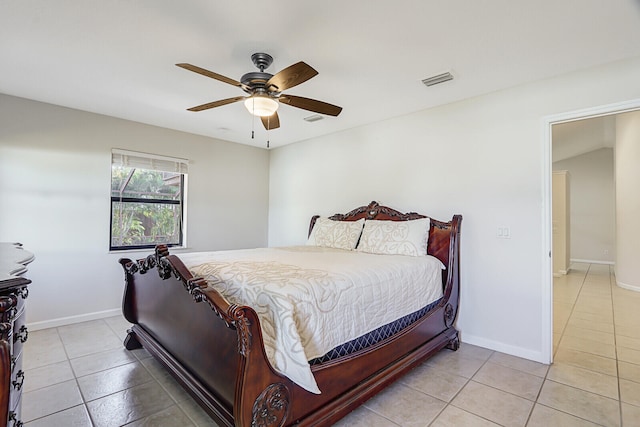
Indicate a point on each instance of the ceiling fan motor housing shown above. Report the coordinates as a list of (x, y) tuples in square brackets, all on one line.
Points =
[(256, 81)]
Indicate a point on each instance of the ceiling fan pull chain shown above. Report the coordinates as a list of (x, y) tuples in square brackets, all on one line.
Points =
[(268, 129)]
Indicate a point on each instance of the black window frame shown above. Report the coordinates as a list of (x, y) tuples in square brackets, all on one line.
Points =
[(117, 199)]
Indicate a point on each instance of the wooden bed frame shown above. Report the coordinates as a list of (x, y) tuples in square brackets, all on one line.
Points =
[(215, 349)]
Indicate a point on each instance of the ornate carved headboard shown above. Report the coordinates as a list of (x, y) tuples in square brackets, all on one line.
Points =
[(439, 233)]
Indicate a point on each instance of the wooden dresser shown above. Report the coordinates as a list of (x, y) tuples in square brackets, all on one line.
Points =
[(13, 331)]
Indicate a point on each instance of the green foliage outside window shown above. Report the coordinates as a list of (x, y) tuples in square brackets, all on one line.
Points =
[(146, 208)]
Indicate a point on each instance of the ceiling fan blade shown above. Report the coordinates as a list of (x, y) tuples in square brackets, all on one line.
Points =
[(211, 74), (311, 105), (271, 122), (216, 103), (291, 76)]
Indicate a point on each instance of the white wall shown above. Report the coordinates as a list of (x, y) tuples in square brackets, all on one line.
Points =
[(481, 157), (628, 200), (561, 222), (593, 213), (55, 166)]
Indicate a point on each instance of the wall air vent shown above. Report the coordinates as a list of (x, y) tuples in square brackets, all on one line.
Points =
[(440, 78), (314, 118)]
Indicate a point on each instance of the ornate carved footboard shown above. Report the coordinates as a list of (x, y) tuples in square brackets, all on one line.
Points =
[(216, 351)]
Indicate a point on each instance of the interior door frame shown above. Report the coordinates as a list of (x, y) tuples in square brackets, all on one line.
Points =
[(547, 169)]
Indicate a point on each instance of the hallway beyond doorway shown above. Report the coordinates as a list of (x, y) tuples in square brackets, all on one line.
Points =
[(596, 334)]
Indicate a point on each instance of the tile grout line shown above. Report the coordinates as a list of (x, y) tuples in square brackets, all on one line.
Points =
[(176, 403), (75, 378), (458, 392), (546, 374), (450, 403), (573, 306), (364, 405), (615, 347), (468, 380), (137, 360), (576, 388)]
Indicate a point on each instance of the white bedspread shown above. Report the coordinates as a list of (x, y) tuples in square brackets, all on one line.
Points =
[(312, 299)]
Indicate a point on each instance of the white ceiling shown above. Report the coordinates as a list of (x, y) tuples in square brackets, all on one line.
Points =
[(116, 57)]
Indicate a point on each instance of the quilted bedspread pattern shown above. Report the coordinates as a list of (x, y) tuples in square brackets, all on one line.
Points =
[(312, 299)]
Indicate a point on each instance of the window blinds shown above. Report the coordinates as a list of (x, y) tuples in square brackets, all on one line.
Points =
[(148, 161)]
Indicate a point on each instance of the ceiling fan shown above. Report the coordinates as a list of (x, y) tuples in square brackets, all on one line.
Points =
[(265, 90)]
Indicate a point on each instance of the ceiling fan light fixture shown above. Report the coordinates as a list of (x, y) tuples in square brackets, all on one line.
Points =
[(261, 105)]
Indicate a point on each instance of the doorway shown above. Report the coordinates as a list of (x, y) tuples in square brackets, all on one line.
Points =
[(548, 122)]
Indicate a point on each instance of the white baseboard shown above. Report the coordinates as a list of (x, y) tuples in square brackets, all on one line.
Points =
[(593, 261), (536, 356), (561, 273), (62, 321), (628, 287)]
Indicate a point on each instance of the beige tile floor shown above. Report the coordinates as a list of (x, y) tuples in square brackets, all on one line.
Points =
[(80, 375)]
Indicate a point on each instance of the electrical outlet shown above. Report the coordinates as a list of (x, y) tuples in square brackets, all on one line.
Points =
[(503, 233)]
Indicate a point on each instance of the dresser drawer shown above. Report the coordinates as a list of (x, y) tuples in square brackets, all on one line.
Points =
[(13, 331), (15, 415), (20, 295), (20, 333), (17, 381)]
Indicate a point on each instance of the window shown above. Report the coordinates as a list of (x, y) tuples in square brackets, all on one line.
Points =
[(147, 200)]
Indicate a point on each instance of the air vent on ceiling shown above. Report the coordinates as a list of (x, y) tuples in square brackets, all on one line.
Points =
[(440, 78), (314, 118)]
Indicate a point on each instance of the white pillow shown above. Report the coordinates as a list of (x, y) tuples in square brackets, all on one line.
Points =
[(336, 234), (395, 237)]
